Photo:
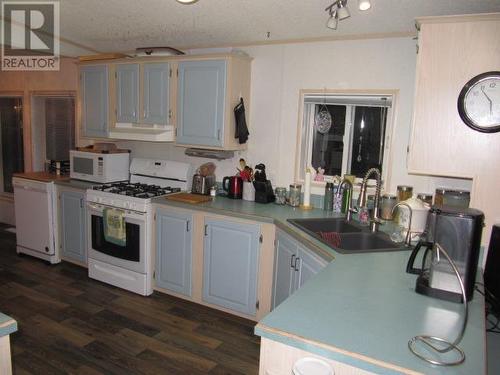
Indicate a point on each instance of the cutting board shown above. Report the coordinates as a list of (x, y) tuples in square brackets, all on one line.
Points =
[(189, 198)]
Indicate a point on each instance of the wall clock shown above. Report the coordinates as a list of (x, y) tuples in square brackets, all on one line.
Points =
[(479, 102)]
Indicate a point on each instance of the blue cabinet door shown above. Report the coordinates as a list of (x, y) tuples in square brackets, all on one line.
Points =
[(308, 266), (73, 226), (156, 98), (94, 100), (201, 97), (230, 265), (284, 272), (127, 92), (174, 251)]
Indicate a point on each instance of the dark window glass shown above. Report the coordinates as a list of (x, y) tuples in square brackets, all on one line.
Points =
[(11, 139), (59, 127), (327, 148), (368, 139)]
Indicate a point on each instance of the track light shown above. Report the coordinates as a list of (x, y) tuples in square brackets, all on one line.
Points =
[(364, 4), (187, 1), (338, 11)]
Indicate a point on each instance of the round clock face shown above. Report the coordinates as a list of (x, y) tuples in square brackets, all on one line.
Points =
[(479, 102)]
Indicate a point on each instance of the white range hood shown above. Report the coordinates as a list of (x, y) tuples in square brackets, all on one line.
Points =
[(142, 132)]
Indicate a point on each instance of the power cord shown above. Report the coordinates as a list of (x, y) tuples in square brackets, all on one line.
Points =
[(492, 309)]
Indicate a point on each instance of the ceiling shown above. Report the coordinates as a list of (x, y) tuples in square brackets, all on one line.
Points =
[(92, 26)]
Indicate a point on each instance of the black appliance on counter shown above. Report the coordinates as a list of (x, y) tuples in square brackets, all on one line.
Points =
[(492, 271), (458, 232)]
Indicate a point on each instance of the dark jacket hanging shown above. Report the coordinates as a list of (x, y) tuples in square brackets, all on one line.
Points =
[(241, 124)]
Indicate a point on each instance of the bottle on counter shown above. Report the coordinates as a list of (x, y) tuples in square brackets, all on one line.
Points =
[(387, 203), (328, 198)]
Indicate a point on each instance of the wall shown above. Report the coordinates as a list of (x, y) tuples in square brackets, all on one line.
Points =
[(280, 71)]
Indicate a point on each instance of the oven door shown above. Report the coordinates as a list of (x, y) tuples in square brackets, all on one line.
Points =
[(132, 256)]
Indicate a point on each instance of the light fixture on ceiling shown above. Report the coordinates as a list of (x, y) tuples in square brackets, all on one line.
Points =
[(187, 1), (338, 11)]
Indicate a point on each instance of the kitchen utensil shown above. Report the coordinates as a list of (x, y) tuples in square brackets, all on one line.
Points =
[(233, 185), (458, 231), (202, 184)]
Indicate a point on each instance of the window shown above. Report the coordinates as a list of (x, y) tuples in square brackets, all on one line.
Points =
[(356, 140), (11, 141)]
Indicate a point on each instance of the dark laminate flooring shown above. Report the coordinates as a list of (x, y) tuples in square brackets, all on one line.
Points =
[(70, 324)]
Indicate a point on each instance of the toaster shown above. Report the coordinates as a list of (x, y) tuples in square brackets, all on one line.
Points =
[(202, 184)]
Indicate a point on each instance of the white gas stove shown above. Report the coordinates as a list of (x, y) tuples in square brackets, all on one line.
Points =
[(129, 265)]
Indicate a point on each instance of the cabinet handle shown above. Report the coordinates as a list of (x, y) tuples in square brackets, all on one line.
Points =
[(295, 266), (218, 134), (291, 260), (206, 230), (187, 226), (170, 114), (81, 202)]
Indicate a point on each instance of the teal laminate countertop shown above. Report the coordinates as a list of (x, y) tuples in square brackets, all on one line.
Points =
[(361, 309), (7, 325)]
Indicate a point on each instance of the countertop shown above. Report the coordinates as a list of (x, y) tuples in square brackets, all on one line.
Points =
[(41, 176), (7, 325), (76, 184), (362, 308)]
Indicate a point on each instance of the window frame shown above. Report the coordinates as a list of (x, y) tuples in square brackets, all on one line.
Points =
[(302, 131)]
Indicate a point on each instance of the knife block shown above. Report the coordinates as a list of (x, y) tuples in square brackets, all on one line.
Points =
[(263, 191)]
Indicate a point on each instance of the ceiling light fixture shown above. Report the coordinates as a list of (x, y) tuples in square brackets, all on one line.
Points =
[(364, 4), (338, 11), (187, 1)]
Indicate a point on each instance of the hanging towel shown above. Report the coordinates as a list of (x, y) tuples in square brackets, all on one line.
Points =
[(241, 124), (114, 226)]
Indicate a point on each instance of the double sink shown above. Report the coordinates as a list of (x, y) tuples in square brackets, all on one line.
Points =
[(347, 237)]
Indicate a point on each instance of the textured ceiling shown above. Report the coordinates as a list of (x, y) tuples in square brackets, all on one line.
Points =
[(123, 25)]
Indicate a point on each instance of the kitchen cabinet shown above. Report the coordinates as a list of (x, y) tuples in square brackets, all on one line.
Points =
[(202, 89), (293, 266), (94, 100), (208, 90), (156, 98), (73, 224), (174, 251), (127, 92), (230, 264)]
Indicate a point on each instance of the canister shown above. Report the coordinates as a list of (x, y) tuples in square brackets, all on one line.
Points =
[(280, 195), (456, 198), (294, 195), (425, 197), (438, 196), (404, 192), (387, 203)]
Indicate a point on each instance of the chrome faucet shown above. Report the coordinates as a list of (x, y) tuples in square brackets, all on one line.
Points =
[(408, 233), (350, 208), (375, 219)]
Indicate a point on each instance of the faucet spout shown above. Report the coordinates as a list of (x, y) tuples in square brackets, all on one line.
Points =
[(346, 184), (375, 219)]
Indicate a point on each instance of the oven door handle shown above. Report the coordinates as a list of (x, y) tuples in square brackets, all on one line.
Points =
[(128, 213)]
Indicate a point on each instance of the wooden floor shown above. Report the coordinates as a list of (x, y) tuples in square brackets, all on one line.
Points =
[(70, 324)]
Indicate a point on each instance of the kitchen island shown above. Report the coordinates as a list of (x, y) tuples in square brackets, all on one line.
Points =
[(360, 311), (7, 326)]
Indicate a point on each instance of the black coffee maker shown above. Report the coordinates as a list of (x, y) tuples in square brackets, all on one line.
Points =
[(458, 232)]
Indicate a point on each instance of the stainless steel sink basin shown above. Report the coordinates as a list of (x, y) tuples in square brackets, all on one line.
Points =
[(345, 237)]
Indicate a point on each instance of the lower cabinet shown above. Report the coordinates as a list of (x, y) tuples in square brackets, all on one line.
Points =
[(174, 251), (73, 226), (230, 264), (293, 266)]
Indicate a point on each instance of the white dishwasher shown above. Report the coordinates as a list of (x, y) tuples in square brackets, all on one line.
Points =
[(36, 219)]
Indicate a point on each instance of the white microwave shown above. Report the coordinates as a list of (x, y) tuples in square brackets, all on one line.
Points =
[(99, 167)]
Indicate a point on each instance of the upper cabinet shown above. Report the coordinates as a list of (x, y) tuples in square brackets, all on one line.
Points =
[(155, 98), (184, 99), (202, 90), (451, 51), (127, 92), (208, 90), (94, 100)]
